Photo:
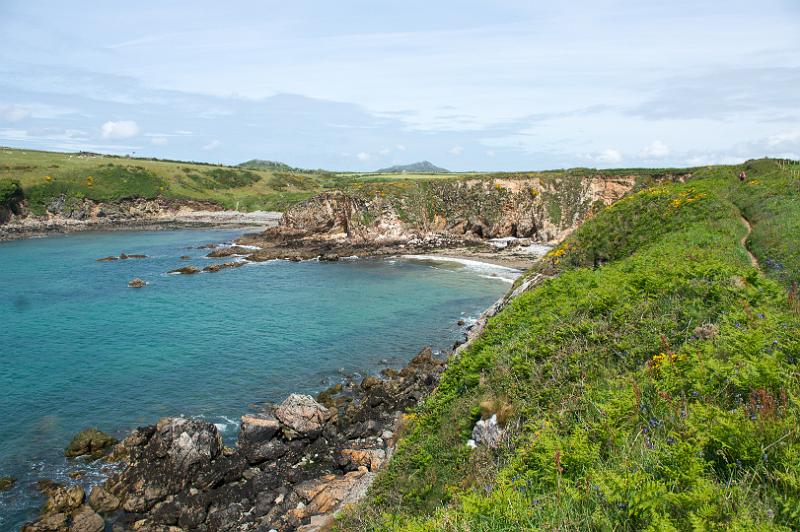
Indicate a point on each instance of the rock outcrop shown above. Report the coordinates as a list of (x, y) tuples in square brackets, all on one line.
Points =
[(88, 442), (295, 464), (186, 270), (437, 214)]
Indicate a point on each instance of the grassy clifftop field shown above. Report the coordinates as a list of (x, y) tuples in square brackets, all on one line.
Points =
[(649, 382), (254, 185)]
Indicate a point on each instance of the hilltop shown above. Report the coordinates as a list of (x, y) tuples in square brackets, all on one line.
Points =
[(642, 376), (261, 164), (422, 167)]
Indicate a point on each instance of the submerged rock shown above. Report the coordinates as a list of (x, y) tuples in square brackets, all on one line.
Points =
[(6, 483), (185, 270), (136, 283), (89, 441)]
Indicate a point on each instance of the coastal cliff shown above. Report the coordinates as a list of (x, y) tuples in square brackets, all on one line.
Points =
[(64, 214), (426, 215)]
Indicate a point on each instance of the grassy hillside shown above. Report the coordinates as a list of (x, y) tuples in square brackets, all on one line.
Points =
[(650, 382), (45, 175), (254, 185)]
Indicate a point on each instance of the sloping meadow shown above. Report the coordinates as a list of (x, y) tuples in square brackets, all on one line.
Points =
[(650, 382)]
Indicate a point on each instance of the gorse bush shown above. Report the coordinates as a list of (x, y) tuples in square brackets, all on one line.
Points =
[(652, 377), (105, 183), (10, 193)]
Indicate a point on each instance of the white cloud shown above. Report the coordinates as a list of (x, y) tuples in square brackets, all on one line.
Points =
[(400, 147), (609, 155), (213, 145), (14, 114), (490, 153), (788, 137), (655, 150), (363, 156), (124, 129), (159, 141), (385, 151), (456, 150)]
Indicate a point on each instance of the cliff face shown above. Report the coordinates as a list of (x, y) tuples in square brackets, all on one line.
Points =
[(66, 215), (543, 210)]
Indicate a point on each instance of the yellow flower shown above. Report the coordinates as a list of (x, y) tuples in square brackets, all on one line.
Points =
[(48, 178)]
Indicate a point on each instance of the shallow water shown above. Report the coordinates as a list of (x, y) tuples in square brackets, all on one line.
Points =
[(79, 348)]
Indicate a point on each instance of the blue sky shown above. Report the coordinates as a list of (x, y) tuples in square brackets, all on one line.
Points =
[(358, 85)]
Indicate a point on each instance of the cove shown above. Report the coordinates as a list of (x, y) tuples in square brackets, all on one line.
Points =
[(78, 348)]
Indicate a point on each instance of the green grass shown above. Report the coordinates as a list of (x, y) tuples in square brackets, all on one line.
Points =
[(45, 176), (621, 413)]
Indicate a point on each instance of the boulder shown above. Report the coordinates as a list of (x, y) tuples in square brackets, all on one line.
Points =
[(64, 500), (330, 492), (6, 483), (136, 283), (84, 519), (186, 442), (353, 459), (302, 416), (257, 428), (49, 523), (89, 441), (185, 270), (102, 501), (487, 432)]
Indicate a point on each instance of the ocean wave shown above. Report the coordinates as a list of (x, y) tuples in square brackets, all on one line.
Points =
[(486, 269)]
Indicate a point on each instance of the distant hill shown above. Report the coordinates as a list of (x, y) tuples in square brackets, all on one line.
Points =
[(423, 167), (261, 164)]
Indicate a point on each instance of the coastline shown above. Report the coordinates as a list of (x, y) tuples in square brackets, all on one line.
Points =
[(37, 227), (355, 440)]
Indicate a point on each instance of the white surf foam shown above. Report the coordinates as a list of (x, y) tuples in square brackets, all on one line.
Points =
[(487, 269)]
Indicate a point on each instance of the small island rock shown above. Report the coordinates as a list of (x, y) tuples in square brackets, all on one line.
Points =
[(136, 283), (186, 270), (89, 441)]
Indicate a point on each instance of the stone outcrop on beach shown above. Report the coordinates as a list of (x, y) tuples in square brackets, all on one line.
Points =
[(295, 464)]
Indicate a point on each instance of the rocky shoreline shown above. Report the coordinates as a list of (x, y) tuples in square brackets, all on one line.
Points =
[(294, 465), (129, 215)]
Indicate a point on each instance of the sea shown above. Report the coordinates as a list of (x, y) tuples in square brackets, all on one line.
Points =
[(79, 348)]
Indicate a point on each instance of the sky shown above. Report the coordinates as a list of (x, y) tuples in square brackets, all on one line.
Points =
[(360, 85)]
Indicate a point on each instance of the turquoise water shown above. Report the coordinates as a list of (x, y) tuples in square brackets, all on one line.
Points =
[(79, 348)]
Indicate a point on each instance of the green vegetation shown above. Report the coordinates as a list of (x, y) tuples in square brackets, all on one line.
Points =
[(10, 192), (46, 176), (649, 382)]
